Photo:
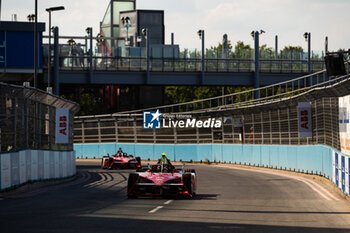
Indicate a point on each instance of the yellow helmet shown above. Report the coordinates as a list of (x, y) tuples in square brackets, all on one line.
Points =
[(163, 155)]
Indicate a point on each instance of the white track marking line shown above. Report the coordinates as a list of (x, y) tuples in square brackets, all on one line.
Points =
[(320, 188), (313, 185), (314, 188), (155, 209), (168, 202)]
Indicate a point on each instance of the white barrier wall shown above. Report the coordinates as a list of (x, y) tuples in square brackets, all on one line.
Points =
[(34, 165)]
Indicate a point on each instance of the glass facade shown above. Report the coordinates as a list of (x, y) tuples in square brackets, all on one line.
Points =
[(107, 18), (119, 6), (111, 19)]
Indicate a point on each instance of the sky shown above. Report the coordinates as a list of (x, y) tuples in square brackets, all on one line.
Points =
[(289, 19)]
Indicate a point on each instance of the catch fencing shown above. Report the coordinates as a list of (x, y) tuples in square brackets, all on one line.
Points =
[(271, 119), (28, 119)]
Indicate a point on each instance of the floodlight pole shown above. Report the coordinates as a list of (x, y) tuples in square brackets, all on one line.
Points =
[(276, 47), (56, 61), (309, 53), (148, 54), (49, 55), (91, 71), (257, 65), (202, 37), (36, 45), (203, 54)]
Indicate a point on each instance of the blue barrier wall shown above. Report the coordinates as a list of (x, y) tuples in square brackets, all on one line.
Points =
[(311, 158)]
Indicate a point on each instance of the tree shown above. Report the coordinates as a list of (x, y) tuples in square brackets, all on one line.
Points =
[(242, 50), (292, 52)]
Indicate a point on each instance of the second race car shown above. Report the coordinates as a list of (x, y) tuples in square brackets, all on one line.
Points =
[(120, 160)]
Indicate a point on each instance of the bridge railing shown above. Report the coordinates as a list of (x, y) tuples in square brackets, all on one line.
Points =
[(138, 64)]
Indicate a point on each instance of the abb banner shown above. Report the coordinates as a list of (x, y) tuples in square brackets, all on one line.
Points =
[(305, 119), (62, 125), (344, 125)]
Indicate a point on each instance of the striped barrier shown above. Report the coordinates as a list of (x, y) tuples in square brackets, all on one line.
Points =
[(35, 165)]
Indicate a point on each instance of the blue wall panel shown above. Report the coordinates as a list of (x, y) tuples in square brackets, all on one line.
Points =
[(256, 155), (265, 156), (217, 152), (186, 152), (274, 156), (237, 153), (20, 50), (227, 153), (169, 150), (2, 50), (310, 158), (144, 151), (204, 152)]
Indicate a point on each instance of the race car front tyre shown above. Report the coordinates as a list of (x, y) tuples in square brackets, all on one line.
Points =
[(187, 180), (131, 183), (104, 158)]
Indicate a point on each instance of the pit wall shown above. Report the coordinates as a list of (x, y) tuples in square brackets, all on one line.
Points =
[(35, 165), (314, 159)]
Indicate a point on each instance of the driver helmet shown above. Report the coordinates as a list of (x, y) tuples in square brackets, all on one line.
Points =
[(163, 155)]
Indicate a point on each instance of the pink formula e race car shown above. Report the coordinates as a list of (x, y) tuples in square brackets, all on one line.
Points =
[(120, 160), (162, 180)]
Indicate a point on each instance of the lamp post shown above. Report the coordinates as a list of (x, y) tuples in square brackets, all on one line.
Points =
[(127, 23), (51, 9), (89, 32), (255, 35), (146, 34), (276, 47), (307, 36), (71, 43), (31, 17), (100, 40), (36, 44), (201, 36), (56, 60)]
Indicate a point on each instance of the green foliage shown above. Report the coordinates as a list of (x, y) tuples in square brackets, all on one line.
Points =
[(89, 100), (181, 94)]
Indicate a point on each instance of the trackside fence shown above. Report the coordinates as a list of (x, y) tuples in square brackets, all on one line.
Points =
[(28, 148)]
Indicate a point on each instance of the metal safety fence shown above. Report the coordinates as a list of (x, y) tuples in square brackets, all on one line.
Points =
[(28, 119), (139, 64), (262, 125), (271, 119)]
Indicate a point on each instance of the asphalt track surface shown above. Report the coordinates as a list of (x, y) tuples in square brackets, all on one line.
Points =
[(228, 200)]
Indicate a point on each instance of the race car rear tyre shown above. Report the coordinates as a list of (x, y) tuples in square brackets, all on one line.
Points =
[(190, 171), (131, 182), (187, 180), (138, 159)]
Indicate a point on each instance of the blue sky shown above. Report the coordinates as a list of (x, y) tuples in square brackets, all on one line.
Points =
[(288, 19)]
